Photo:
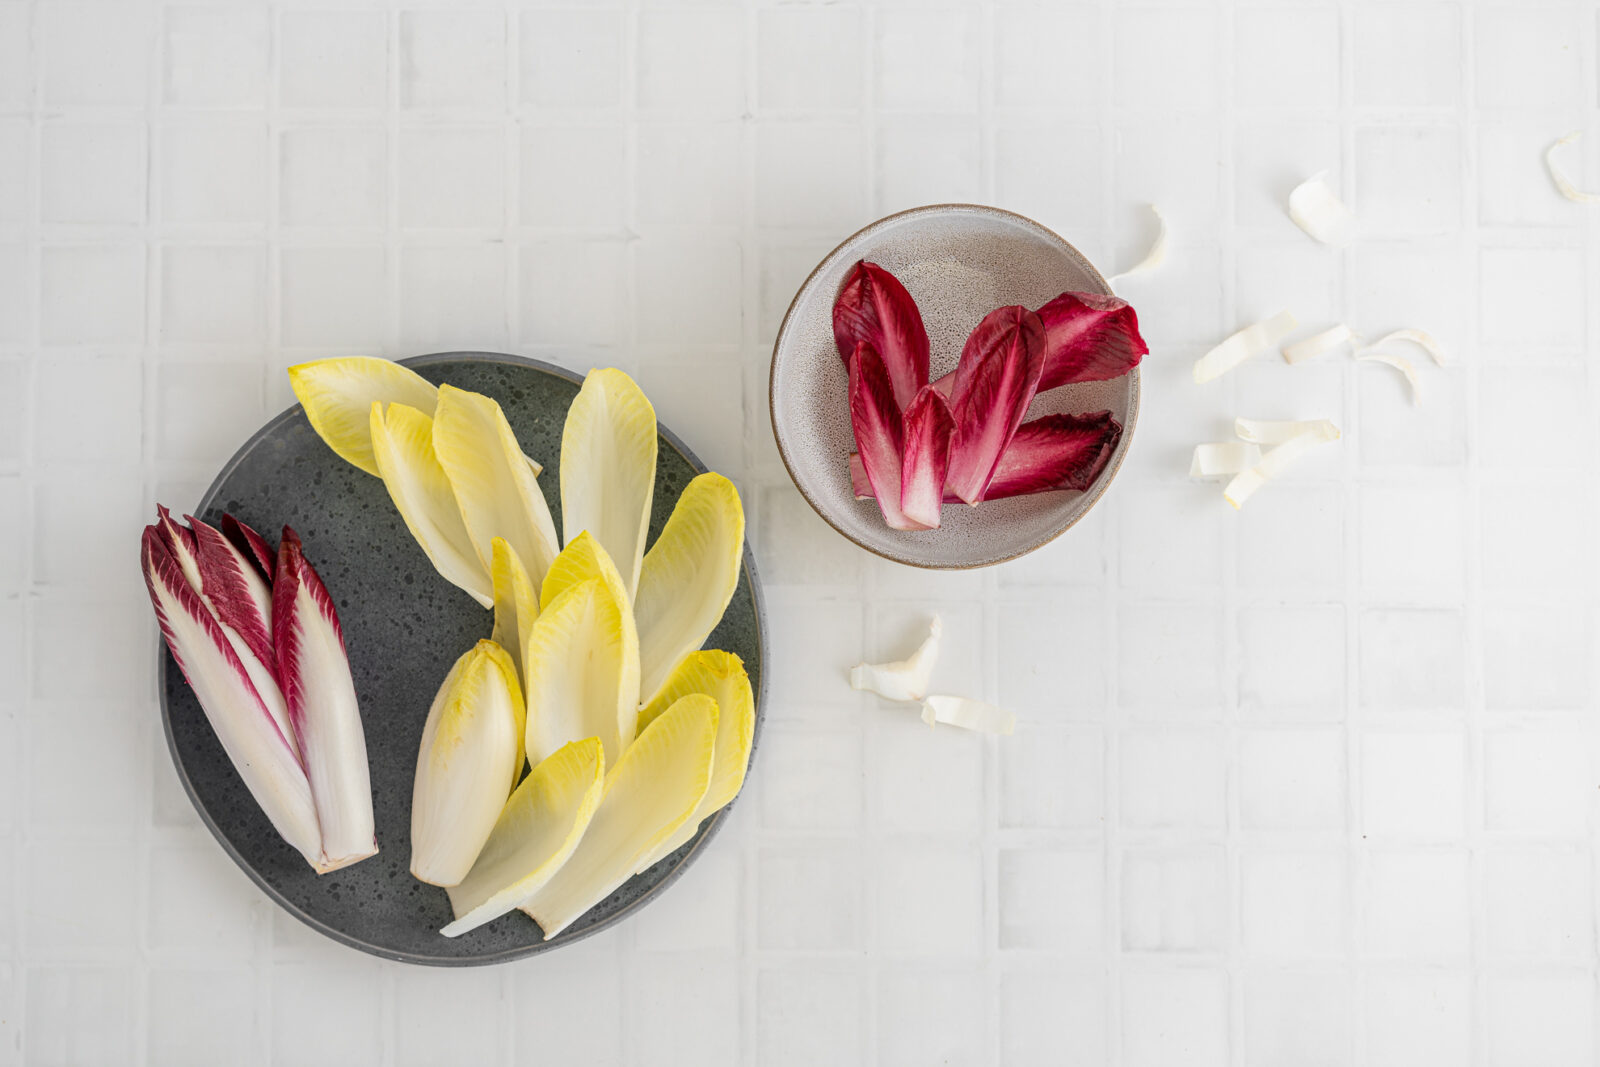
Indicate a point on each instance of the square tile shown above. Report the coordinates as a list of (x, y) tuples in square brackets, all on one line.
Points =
[(690, 174), (925, 780), (90, 294), (17, 63), (928, 161), (1077, 557), (1290, 64), (68, 915), (301, 992), (1408, 179), (691, 61), (1407, 56), (1413, 537), (1274, 278), (1292, 656), (1412, 283), (453, 296), (574, 176), (452, 176), (1165, 59), (1146, 152), (92, 172), (1291, 779), (929, 900), (213, 294), (1034, 643), (1538, 905), (796, 548), (925, 1016), (708, 313), (116, 666), (199, 903), (1547, 514), (205, 410), (1562, 435), (1294, 905), (79, 1014), (1173, 779), (1528, 58), (216, 57), (453, 59), (68, 384), (333, 296), (571, 291), (1168, 541), (1396, 431), (57, 804), (1514, 187), (782, 268), (17, 170), (1038, 1006), (1413, 784), (1172, 1016), (809, 59), (1313, 516), (555, 1009), (1532, 298), (1055, 779), (572, 58), (1170, 658), (1053, 175), (1174, 900), (1541, 1018), (333, 176), (213, 171), (1052, 900), (74, 518), (1536, 657), (791, 1000), (810, 175), (1050, 55), (809, 898), (180, 1036), (927, 61), (1418, 906), (1413, 658), (333, 59), (1299, 1017), (812, 781), (85, 56), (825, 639), (473, 1004), (1536, 782), (1413, 1018)]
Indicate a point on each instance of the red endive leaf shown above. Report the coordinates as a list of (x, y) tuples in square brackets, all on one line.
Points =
[(880, 435), (995, 381), (1056, 452), (180, 544), (315, 674), (233, 587), (928, 428), (1089, 338), (251, 544), (873, 308)]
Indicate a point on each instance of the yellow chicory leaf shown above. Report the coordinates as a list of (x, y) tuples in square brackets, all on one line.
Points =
[(516, 606), (535, 835), (652, 791), (338, 395), (468, 761), (582, 664), (608, 468), (494, 485), (722, 677), (688, 578), (402, 445)]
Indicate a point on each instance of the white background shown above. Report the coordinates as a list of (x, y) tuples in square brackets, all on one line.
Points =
[(1308, 785)]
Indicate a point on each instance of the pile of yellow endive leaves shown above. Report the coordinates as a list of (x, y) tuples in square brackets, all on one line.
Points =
[(594, 674)]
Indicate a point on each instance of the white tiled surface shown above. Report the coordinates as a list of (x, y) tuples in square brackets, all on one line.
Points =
[(1310, 785)]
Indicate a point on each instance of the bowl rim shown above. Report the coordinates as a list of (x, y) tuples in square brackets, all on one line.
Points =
[(1093, 494), (703, 836)]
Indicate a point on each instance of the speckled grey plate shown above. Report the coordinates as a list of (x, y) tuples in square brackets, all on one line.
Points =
[(403, 626), (960, 262)]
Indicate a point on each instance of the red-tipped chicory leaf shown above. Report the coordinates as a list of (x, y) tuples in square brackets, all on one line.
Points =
[(880, 433), (180, 544), (315, 675), (1088, 337), (1056, 452), (995, 381), (252, 738), (230, 583), (929, 425), (251, 544), (873, 308)]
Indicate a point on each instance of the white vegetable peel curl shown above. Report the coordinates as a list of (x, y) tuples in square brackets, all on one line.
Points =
[(905, 679), (968, 714), (1248, 342), (1153, 258), (1421, 338), (1318, 344), (1563, 183), (1317, 210), (1278, 460), (1219, 458)]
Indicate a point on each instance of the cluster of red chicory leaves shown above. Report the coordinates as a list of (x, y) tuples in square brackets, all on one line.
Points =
[(962, 438)]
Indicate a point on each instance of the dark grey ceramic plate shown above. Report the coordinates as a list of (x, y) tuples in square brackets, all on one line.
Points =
[(403, 626)]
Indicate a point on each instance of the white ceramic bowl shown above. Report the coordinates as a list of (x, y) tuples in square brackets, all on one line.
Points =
[(959, 261)]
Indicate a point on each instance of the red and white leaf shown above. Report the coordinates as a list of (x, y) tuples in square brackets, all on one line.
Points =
[(251, 544), (873, 308), (929, 425), (880, 434), (1089, 338), (995, 381), (315, 675)]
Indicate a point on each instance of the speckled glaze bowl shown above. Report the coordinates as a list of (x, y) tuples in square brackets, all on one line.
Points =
[(403, 627), (959, 261)]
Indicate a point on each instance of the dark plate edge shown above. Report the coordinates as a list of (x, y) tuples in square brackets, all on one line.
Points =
[(714, 824)]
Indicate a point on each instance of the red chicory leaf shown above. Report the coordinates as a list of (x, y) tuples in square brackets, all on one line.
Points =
[(995, 382), (880, 433), (1088, 338), (874, 308), (251, 544), (230, 583), (929, 425)]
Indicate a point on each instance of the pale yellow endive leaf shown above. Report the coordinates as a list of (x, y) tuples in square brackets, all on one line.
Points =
[(583, 673), (722, 677), (608, 468), (688, 578), (338, 395), (494, 485), (516, 605), (652, 791), (535, 835), (402, 446), (581, 560), (467, 763)]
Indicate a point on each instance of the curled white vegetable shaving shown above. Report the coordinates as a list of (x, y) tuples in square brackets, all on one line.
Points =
[(1317, 210), (1223, 457), (905, 679), (1278, 460), (1248, 342), (1420, 338), (1276, 432), (1399, 363), (968, 714), (1559, 176), (1153, 258), (1318, 343)]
